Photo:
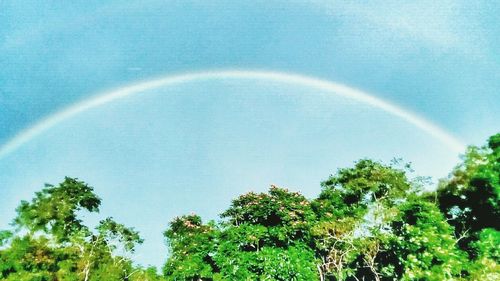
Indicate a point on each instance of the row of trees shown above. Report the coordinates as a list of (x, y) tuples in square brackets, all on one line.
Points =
[(370, 222)]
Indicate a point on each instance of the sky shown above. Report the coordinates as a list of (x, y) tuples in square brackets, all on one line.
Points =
[(192, 146)]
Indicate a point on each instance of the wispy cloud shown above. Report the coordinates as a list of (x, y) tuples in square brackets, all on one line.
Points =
[(439, 25)]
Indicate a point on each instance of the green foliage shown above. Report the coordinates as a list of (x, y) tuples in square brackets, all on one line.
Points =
[(286, 215), (147, 274), (353, 212), (268, 263), (111, 231), (27, 254), (5, 235), (54, 209), (264, 237), (370, 222), (424, 245), (352, 191), (488, 244), (192, 244), (470, 198), (51, 243), (487, 264), (370, 178)]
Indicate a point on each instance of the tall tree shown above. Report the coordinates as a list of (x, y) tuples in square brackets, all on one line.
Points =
[(52, 243), (192, 246), (422, 245), (266, 236), (353, 211), (54, 209)]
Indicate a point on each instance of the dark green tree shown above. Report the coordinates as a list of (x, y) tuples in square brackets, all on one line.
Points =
[(470, 197), (486, 265)]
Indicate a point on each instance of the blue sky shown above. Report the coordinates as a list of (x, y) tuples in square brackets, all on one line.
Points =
[(194, 146)]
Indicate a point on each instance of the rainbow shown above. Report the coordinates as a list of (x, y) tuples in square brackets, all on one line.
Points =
[(335, 88)]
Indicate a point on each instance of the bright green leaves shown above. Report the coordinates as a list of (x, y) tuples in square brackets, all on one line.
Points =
[(354, 211), (424, 244), (145, 274), (5, 236), (52, 243), (280, 235), (335, 246), (268, 263), (353, 191), (265, 237), (54, 209), (257, 252), (114, 233), (486, 266), (470, 198), (488, 244), (28, 256), (472, 194), (192, 244), (370, 222), (286, 215), (369, 181)]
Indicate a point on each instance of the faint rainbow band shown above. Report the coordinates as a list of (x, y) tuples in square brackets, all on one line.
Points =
[(339, 89)]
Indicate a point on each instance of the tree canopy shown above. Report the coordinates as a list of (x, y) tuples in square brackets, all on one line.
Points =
[(371, 221), (50, 242)]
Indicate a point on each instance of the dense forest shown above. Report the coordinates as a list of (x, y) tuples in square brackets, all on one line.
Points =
[(372, 221)]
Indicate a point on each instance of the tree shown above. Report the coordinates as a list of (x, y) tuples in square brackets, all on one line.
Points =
[(470, 197), (353, 212), (192, 246), (487, 264), (51, 242), (54, 209), (286, 215), (370, 222), (96, 251), (335, 245), (422, 245), (264, 236)]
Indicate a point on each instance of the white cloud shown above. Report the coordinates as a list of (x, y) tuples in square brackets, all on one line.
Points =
[(438, 25)]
